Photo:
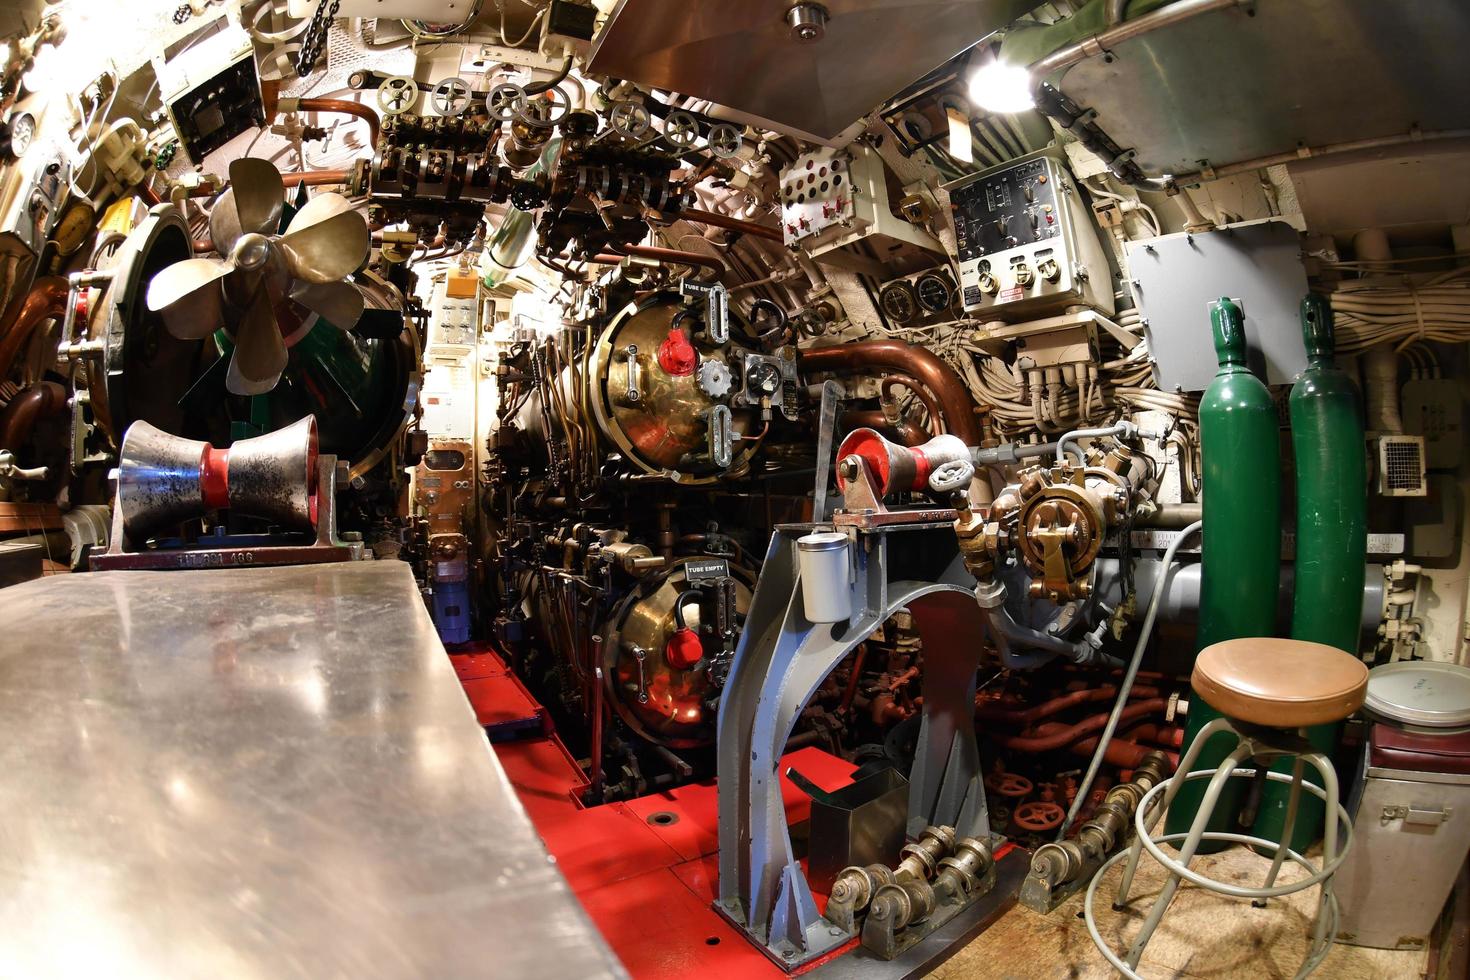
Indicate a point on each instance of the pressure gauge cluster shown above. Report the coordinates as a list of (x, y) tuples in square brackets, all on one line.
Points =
[(919, 300)]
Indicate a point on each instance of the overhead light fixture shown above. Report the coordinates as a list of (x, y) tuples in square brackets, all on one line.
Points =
[(999, 87)]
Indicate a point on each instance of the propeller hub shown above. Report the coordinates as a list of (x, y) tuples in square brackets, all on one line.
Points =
[(251, 251)]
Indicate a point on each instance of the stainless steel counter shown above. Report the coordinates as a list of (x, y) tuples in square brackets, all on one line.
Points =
[(259, 773)]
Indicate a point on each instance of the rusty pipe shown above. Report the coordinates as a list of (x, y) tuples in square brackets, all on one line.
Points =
[(732, 224), (1121, 752), (40, 400), (46, 300), (345, 106), (988, 711), (1064, 736), (955, 402)]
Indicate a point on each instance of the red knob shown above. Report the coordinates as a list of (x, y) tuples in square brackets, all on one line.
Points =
[(684, 649), (676, 355)]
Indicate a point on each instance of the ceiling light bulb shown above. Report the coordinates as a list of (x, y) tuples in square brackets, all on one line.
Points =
[(999, 87)]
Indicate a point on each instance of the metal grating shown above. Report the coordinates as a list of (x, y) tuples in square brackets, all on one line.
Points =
[(1401, 466)]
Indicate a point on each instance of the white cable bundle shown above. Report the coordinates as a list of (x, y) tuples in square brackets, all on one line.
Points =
[(1384, 310)]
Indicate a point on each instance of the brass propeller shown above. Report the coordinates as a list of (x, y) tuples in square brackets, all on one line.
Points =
[(264, 273)]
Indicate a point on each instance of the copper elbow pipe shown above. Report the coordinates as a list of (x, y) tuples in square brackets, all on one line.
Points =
[(46, 300), (670, 255), (732, 224), (40, 400), (346, 106), (955, 402), (904, 381), (904, 432)]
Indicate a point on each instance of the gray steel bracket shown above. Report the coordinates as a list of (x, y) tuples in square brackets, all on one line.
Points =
[(781, 660)]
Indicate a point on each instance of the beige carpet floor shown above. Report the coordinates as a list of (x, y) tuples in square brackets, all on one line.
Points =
[(1204, 936)]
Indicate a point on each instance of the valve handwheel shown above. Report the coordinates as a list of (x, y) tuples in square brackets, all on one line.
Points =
[(952, 476), (397, 94), (1039, 816), (451, 96), (1009, 784), (681, 129), (725, 141), (629, 119), (505, 101), (546, 110)]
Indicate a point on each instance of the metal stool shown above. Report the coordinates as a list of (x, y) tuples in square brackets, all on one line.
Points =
[(1270, 691)]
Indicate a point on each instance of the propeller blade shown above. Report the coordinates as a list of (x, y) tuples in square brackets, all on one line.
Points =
[(260, 196), (253, 203), (327, 250), (318, 209), (188, 294), (224, 224), (260, 351), (339, 303)]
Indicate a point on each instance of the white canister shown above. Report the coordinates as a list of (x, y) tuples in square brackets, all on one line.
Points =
[(826, 571)]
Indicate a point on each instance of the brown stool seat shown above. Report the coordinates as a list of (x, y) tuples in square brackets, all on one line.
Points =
[(1280, 683)]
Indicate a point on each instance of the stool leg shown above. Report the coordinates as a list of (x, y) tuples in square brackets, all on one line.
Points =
[(1190, 756), (1191, 844), (1324, 768), (1293, 800)]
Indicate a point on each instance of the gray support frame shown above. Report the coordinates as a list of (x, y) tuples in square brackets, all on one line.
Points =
[(782, 659)]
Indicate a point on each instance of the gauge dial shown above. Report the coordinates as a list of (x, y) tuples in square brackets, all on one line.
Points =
[(73, 227), (899, 303), (935, 292)]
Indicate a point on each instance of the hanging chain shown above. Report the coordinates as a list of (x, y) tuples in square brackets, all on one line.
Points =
[(315, 37)]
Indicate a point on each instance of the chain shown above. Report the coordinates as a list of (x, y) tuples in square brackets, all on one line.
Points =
[(315, 37)]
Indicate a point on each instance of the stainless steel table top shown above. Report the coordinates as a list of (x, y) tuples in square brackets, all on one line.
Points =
[(259, 773)]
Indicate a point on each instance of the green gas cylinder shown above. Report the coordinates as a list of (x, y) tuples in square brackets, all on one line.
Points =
[(1241, 451), (1331, 537)]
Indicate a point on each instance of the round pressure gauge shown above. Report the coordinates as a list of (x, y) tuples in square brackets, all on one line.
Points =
[(899, 303), (934, 291)]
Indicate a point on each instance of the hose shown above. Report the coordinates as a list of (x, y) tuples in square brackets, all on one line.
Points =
[(1166, 566), (555, 80)]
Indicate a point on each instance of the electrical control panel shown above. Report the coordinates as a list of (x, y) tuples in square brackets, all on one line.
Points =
[(1026, 242), (455, 324), (831, 199)]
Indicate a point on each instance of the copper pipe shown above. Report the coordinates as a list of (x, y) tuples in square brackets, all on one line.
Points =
[(149, 195), (922, 393), (732, 224), (42, 399), (1058, 736), (670, 255), (344, 106), (872, 418), (316, 178), (46, 300), (989, 711), (955, 402)]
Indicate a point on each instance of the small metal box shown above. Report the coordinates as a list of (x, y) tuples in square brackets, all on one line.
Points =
[(862, 824)]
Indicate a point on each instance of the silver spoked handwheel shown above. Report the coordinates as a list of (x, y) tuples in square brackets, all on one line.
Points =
[(952, 476), (547, 109), (629, 119), (725, 141), (397, 94), (681, 129), (451, 96), (505, 101)]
